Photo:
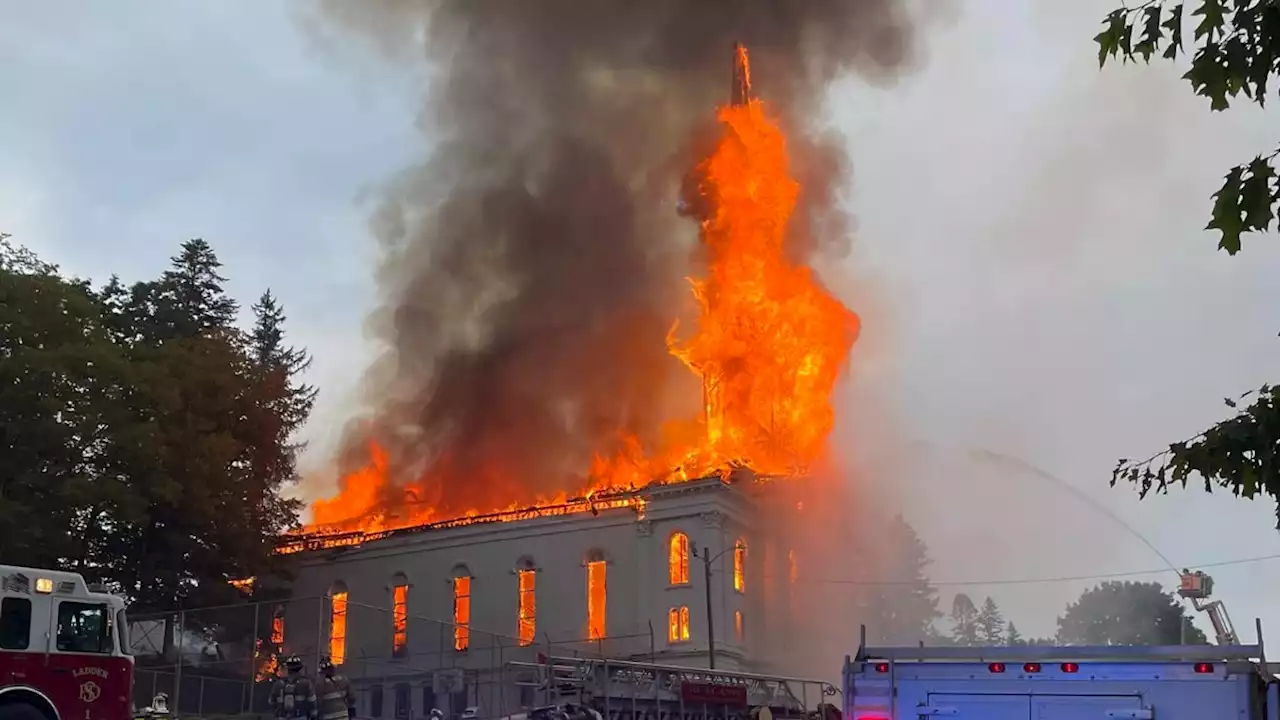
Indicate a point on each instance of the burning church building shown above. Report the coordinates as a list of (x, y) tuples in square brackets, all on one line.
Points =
[(439, 581), (691, 573)]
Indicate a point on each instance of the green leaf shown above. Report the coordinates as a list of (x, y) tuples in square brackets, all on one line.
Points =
[(1109, 39), (1226, 212), (1174, 26), (1126, 41), (1236, 58), (1208, 77), (1256, 197), (1150, 33), (1211, 19)]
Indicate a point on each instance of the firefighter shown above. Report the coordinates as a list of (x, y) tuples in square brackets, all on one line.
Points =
[(337, 702), (294, 695)]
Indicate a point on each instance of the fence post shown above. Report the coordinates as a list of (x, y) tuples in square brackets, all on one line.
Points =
[(177, 683), (246, 700), (320, 626)]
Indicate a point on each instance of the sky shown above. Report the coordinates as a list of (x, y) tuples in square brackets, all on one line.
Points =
[(1037, 295)]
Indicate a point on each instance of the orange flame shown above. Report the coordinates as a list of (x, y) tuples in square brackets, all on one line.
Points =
[(769, 344)]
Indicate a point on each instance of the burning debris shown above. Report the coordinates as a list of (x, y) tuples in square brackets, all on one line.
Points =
[(532, 267)]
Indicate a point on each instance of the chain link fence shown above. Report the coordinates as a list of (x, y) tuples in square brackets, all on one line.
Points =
[(221, 661), (214, 660)]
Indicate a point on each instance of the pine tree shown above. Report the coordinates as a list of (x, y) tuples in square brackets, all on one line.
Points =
[(990, 623), (964, 620), (1012, 636), (903, 611)]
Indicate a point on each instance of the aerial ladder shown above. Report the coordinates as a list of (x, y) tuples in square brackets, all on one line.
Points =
[(1198, 587)]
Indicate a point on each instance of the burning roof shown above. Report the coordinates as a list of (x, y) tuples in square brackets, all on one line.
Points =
[(768, 344)]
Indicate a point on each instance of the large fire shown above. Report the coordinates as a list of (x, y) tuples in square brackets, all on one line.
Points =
[(769, 344)]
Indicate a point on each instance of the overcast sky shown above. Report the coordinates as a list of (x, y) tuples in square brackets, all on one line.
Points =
[(1028, 259)]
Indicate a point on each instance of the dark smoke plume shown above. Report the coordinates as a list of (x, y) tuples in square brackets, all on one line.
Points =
[(534, 263)]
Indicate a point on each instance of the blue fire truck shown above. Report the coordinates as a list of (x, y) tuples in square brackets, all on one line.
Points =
[(1183, 682)]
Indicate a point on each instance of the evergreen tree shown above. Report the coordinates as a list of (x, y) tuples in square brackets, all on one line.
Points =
[(903, 610), (964, 620), (1012, 636), (144, 438), (991, 625)]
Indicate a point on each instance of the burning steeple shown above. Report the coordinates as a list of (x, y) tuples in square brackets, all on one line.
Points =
[(740, 93)]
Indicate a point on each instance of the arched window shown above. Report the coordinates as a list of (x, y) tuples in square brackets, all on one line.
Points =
[(740, 565), (338, 623), (461, 608), (678, 559), (399, 615), (597, 595), (526, 601), (277, 627), (678, 624), (739, 628)]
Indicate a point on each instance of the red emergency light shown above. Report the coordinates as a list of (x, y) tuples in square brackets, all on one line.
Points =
[(1031, 668), (996, 667), (1204, 668), (1070, 667), (882, 667)]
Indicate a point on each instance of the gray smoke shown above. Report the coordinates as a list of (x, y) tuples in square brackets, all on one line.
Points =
[(533, 264)]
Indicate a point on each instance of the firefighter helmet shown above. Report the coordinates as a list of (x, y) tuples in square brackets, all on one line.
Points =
[(326, 663), (293, 663)]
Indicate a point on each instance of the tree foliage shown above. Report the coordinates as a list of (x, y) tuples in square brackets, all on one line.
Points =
[(901, 612), (1236, 52), (1127, 613), (964, 621), (144, 437), (991, 623)]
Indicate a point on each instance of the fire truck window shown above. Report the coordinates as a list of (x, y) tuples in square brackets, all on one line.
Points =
[(15, 623), (83, 628)]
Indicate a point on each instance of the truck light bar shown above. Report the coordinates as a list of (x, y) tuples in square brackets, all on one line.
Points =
[(998, 654)]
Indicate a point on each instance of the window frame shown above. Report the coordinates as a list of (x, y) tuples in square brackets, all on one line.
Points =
[(462, 626), (678, 559), (30, 610), (740, 566), (339, 597), (596, 561), (678, 631), (106, 636), (400, 618), (526, 616)]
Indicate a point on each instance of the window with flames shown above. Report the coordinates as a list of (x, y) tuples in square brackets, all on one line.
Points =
[(678, 563), (678, 624), (528, 608), (461, 612)]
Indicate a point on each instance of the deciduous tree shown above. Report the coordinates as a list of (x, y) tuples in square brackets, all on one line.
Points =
[(1127, 613), (1235, 51)]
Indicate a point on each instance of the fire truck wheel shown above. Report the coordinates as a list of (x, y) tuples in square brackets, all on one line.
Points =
[(20, 711)]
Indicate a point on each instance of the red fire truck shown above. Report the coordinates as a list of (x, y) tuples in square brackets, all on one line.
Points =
[(64, 650)]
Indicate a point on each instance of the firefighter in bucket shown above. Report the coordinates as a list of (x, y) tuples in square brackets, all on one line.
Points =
[(337, 702), (294, 695)]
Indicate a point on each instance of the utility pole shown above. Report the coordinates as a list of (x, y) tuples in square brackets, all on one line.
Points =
[(707, 559), (711, 631)]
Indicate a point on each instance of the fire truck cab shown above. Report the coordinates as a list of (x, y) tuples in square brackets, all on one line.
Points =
[(64, 650)]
